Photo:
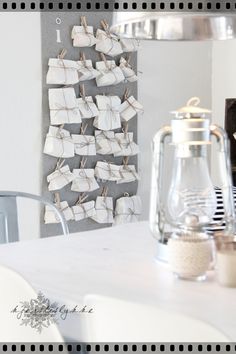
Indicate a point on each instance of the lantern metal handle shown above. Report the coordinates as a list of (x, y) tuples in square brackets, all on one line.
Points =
[(193, 101), (156, 214)]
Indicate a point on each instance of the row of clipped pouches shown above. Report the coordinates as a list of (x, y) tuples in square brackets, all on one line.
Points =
[(61, 143), (127, 209), (108, 111), (69, 72), (104, 40), (84, 179)]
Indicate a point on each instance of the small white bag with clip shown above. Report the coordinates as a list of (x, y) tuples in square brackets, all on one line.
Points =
[(107, 42), (127, 70), (63, 106), (59, 143), (109, 115), (107, 171), (109, 73), (86, 69), (128, 172), (104, 209), (127, 144), (84, 179), (87, 107), (129, 107), (84, 144), (60, 178), (128, 209), (50, 216), (106, 143), (83, 35), (83, 210), (61, 71)]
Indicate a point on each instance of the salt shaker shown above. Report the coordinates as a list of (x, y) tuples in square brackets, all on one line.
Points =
[(226, 261)]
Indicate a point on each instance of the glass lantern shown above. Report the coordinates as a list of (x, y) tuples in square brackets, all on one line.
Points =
[(191, 200)]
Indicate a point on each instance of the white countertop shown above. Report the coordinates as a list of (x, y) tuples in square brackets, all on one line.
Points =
[(118, 262)]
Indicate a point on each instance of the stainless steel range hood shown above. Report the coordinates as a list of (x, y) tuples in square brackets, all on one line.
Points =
[(175, 26)]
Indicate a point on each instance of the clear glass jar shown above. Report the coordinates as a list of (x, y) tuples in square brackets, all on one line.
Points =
[(190, 255)]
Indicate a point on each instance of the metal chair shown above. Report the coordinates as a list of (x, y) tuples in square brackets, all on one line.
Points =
[(9, 229)]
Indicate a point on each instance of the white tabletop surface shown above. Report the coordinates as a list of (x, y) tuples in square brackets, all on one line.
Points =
[(118, 262)]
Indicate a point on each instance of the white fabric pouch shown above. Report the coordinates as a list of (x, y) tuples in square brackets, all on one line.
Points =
[(60, 178), (62, 72), (84, 144), (83, 37), (63, 106), (104, 210), (86, 70), (87, 107), (108, 43), (84, 210), (109, 115), (127, 70), (129, 108), (59, 143), (50, 217), (127, 145), (129, 44), (128, 174), (84, 180), (106, 171), (109, 73), (106, 143), (128, 209)]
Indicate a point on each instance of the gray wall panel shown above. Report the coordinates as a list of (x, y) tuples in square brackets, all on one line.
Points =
[(50, 48)]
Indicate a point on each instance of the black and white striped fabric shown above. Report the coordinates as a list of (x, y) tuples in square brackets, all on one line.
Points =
[(220, 211)]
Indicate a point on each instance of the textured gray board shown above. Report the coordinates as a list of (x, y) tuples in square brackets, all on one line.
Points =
[(50, 49)]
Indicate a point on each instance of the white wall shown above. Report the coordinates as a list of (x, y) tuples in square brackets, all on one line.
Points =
[(223, 85), (172, 73), (20, 102)]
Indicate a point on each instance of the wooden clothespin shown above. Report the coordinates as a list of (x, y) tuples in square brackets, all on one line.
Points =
[(83, 22), (125, 160), (62, 54), (59, 133), (104, 192), (83, 128), (60, 163), (103, 57), (82, 198), (128, 59), (105, 25), (125, 128), (126, 94), (82, 90), (82, 57), (57, 200), (83, 162)]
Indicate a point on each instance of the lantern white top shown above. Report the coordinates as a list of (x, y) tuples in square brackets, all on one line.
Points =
[(191, 109)]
